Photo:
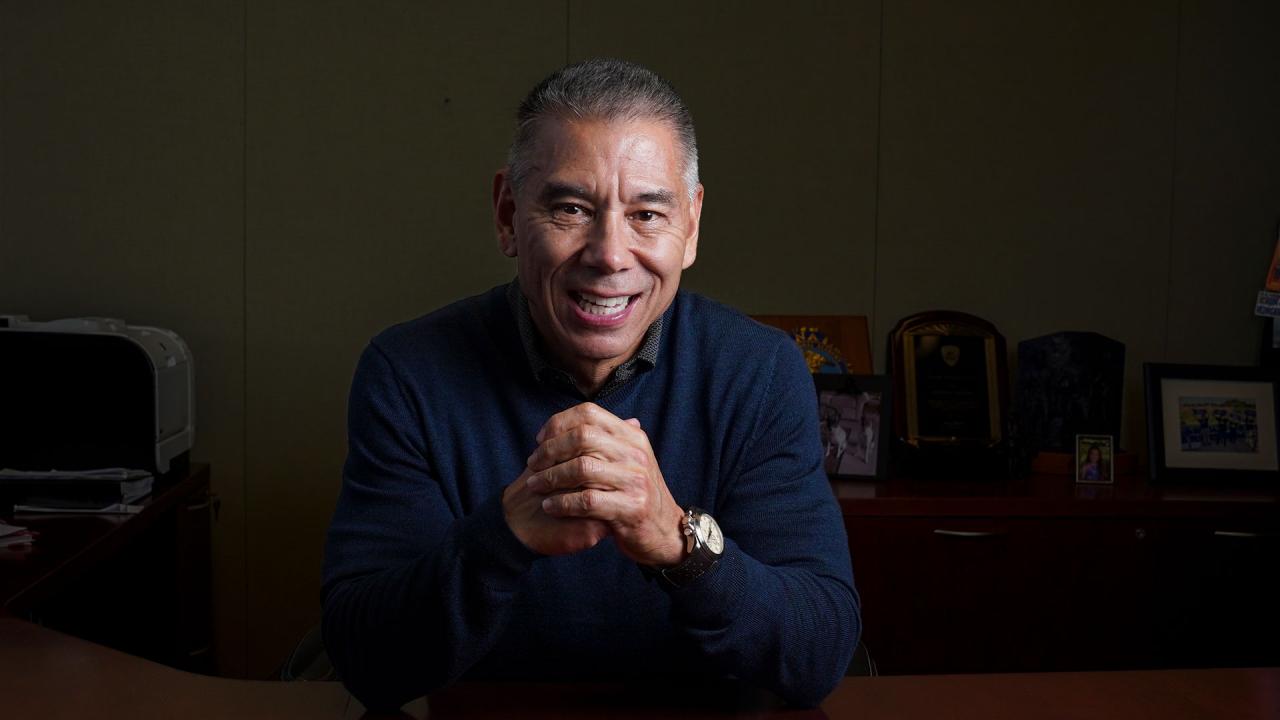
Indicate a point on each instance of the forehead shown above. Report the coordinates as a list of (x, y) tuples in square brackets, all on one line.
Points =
[(643, 148)]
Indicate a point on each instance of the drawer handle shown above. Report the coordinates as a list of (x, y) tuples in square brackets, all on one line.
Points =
[(1237, 534), (210, 499), (966, 533)]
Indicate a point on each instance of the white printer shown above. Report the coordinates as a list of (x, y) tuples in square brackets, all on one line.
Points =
[(88, 393)]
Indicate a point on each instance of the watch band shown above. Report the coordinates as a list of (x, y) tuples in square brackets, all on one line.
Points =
[(694, 567), (701, 558)]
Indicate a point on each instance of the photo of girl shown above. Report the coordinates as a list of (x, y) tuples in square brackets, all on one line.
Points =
[(1093, 459)]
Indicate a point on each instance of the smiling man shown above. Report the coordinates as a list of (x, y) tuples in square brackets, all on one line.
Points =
[(586, 473)]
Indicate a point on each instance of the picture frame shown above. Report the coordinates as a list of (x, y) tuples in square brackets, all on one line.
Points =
[(1212, 423), (1095, 459), (856, 425)]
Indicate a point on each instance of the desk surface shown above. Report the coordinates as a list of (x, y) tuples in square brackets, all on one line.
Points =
[(59, 676), (70, 543)]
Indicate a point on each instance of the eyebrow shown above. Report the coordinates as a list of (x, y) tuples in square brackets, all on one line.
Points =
[(555, 191), (657, 197)]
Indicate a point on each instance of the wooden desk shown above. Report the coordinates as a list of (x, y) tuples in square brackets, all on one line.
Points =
[(46, 674), (140, 582), (50, 675)]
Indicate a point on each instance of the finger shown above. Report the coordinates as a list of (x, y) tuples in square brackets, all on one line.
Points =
[(589, 503), (634, 421), (578, 472), (596, 440), (585, 413)]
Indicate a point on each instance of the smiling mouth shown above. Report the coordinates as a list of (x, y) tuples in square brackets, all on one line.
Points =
[(602, 306)]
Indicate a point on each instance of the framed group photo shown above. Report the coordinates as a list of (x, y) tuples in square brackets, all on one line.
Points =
[(854, 413), (1212, 423)]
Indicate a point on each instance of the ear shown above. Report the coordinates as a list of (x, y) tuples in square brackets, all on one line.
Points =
[(504, 212), (695, 222)]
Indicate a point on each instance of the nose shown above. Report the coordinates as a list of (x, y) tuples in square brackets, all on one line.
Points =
[(608, 248)]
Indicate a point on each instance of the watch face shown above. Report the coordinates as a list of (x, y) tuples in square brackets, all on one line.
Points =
[(710, 534)]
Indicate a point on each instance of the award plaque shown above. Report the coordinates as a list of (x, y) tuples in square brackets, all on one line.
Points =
[(949, 381)]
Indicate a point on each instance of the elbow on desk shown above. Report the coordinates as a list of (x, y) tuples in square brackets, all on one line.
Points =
[(807, 688), (374, 665)]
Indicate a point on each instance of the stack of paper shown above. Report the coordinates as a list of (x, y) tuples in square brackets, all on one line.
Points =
[(75, 489), (15, 535)]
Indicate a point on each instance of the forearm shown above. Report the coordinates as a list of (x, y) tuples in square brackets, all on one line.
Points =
[(790, 629), (400, 632)]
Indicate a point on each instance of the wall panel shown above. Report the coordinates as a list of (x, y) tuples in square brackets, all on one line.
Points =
[(121, 195), (1025, 164), (373, 133), (1227, 186)]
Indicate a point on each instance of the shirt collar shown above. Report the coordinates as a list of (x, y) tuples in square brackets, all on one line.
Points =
[(644, 359)]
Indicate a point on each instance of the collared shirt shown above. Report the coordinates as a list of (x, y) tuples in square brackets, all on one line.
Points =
[(644, 359)]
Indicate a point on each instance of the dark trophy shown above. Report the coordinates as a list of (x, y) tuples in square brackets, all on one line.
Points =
[(1068, 383)]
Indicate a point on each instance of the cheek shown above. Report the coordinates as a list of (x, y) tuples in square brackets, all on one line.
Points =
[(664, 260), (541, 261)]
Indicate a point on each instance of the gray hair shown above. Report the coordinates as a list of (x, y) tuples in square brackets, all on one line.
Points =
[(603, 89)]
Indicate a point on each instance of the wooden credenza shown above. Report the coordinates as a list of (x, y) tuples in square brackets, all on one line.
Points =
[(138, 583), (1043, 574)]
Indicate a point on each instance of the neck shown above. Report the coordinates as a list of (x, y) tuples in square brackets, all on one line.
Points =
[(589, 376)]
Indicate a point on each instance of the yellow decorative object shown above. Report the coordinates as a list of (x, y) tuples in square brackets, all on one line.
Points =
[(818, 351)]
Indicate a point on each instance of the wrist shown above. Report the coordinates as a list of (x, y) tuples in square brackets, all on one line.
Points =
[(677, 549)]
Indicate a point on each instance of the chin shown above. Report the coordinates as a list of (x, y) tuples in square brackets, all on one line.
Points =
[(598, 350)]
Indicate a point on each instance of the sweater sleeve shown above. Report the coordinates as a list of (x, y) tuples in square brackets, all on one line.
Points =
[(779, 609), (414, 592)]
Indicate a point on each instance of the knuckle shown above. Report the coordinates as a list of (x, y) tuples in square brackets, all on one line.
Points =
[(587, 500), (587, 466)]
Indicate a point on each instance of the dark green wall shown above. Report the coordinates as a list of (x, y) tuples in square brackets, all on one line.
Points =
[(277, 181)]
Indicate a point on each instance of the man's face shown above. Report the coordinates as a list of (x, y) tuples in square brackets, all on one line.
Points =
[(601, 228)]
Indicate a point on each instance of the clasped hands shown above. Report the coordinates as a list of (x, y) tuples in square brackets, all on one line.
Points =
[(592, 476)]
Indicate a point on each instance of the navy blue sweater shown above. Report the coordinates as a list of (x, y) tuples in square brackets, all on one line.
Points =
[(424, 582)]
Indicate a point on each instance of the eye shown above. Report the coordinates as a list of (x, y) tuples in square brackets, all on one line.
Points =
[(647, 216), (570, 211)]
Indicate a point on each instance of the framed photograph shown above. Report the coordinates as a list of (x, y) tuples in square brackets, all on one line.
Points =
[(853, 414), (1095, 459), (1212, 423)]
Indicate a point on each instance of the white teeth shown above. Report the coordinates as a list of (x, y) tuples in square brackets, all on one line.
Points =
[(596, 305)]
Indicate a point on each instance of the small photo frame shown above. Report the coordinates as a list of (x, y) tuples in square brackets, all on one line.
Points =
[(853, 415), (1095, 459), (1212, 423)]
